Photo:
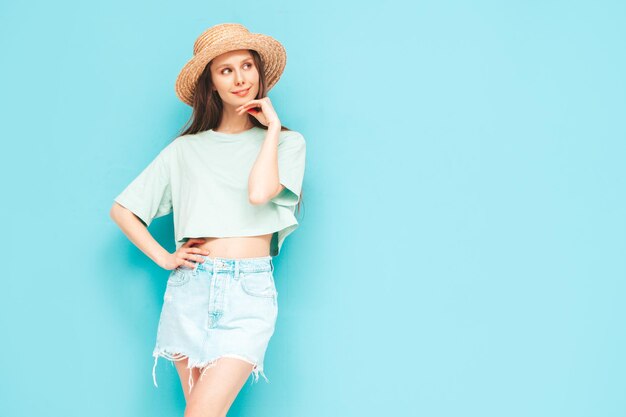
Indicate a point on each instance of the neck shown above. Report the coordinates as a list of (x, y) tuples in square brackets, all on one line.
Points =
[(232, 122)]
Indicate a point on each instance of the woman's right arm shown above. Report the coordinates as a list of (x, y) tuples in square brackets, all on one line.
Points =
[(138, 233)]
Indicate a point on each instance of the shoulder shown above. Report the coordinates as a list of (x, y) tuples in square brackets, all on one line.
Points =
[(291, 137), (180, 142), (169, 153)]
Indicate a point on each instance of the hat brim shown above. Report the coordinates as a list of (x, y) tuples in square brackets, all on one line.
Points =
[(271, 51)]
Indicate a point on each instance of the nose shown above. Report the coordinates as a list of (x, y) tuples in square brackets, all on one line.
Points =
[(239, 77)]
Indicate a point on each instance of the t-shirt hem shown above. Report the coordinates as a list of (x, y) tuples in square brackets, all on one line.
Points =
[(239, 233)]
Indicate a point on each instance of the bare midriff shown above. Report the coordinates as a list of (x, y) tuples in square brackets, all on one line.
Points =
[(237, 247)]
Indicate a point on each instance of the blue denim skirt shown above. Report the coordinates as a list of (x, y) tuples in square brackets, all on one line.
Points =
[(222, 307)]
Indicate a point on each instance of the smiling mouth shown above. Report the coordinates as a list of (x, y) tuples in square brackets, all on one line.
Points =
[(242, 92)]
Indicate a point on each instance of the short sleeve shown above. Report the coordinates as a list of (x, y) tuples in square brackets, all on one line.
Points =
[(291, 163), (149, 195)]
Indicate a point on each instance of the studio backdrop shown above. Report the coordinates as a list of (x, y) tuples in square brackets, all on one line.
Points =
[(462, 234)]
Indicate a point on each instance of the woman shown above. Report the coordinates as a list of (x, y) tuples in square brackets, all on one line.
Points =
[(232, 180)]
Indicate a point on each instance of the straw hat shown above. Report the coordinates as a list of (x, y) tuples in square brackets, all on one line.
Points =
[(228, 37)]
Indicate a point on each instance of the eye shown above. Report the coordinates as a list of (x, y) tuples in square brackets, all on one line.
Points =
[(228, 69)]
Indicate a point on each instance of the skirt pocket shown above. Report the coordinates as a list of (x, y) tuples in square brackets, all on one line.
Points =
[(258, 284), (179, 277)]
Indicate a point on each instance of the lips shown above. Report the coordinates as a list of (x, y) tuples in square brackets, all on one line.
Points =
[(242, 92)]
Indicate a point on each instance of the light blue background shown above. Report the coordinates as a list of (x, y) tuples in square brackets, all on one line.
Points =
[(463, 236)]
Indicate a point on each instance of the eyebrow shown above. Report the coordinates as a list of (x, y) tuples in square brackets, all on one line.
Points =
[(226, 65)]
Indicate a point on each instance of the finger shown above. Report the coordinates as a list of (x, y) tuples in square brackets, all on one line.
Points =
[(249, 111), (189, 259), (251, 103), (193, 241), (246, 106), (191, 252), (199, 250), (240, 111), (194, 258)]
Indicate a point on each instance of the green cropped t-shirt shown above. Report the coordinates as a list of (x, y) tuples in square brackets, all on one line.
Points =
[(203, 179)]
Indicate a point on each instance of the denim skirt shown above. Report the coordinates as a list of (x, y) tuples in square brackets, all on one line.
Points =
[(222, 307)]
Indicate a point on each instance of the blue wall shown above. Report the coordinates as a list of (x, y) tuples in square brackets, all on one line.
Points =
[(463, 236)]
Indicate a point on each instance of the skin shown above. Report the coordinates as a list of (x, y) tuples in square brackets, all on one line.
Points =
[(215, 392)]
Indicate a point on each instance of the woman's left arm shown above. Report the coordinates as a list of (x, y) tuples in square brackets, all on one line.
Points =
[(264, 182)]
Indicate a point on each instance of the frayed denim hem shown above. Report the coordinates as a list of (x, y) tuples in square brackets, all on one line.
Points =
[(204, 365)]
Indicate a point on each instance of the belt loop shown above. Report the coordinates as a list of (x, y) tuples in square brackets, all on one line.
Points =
[(236, 268), (271, 265)]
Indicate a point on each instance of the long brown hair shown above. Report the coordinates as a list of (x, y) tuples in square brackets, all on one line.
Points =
[(207, 109)]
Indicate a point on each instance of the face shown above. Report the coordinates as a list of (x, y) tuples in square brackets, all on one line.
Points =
[(235, 71)]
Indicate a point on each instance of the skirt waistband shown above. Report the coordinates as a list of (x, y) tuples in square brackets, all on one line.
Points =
[(258, 264)]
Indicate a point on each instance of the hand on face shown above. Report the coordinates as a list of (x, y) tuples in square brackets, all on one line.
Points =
[(262, 110)]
